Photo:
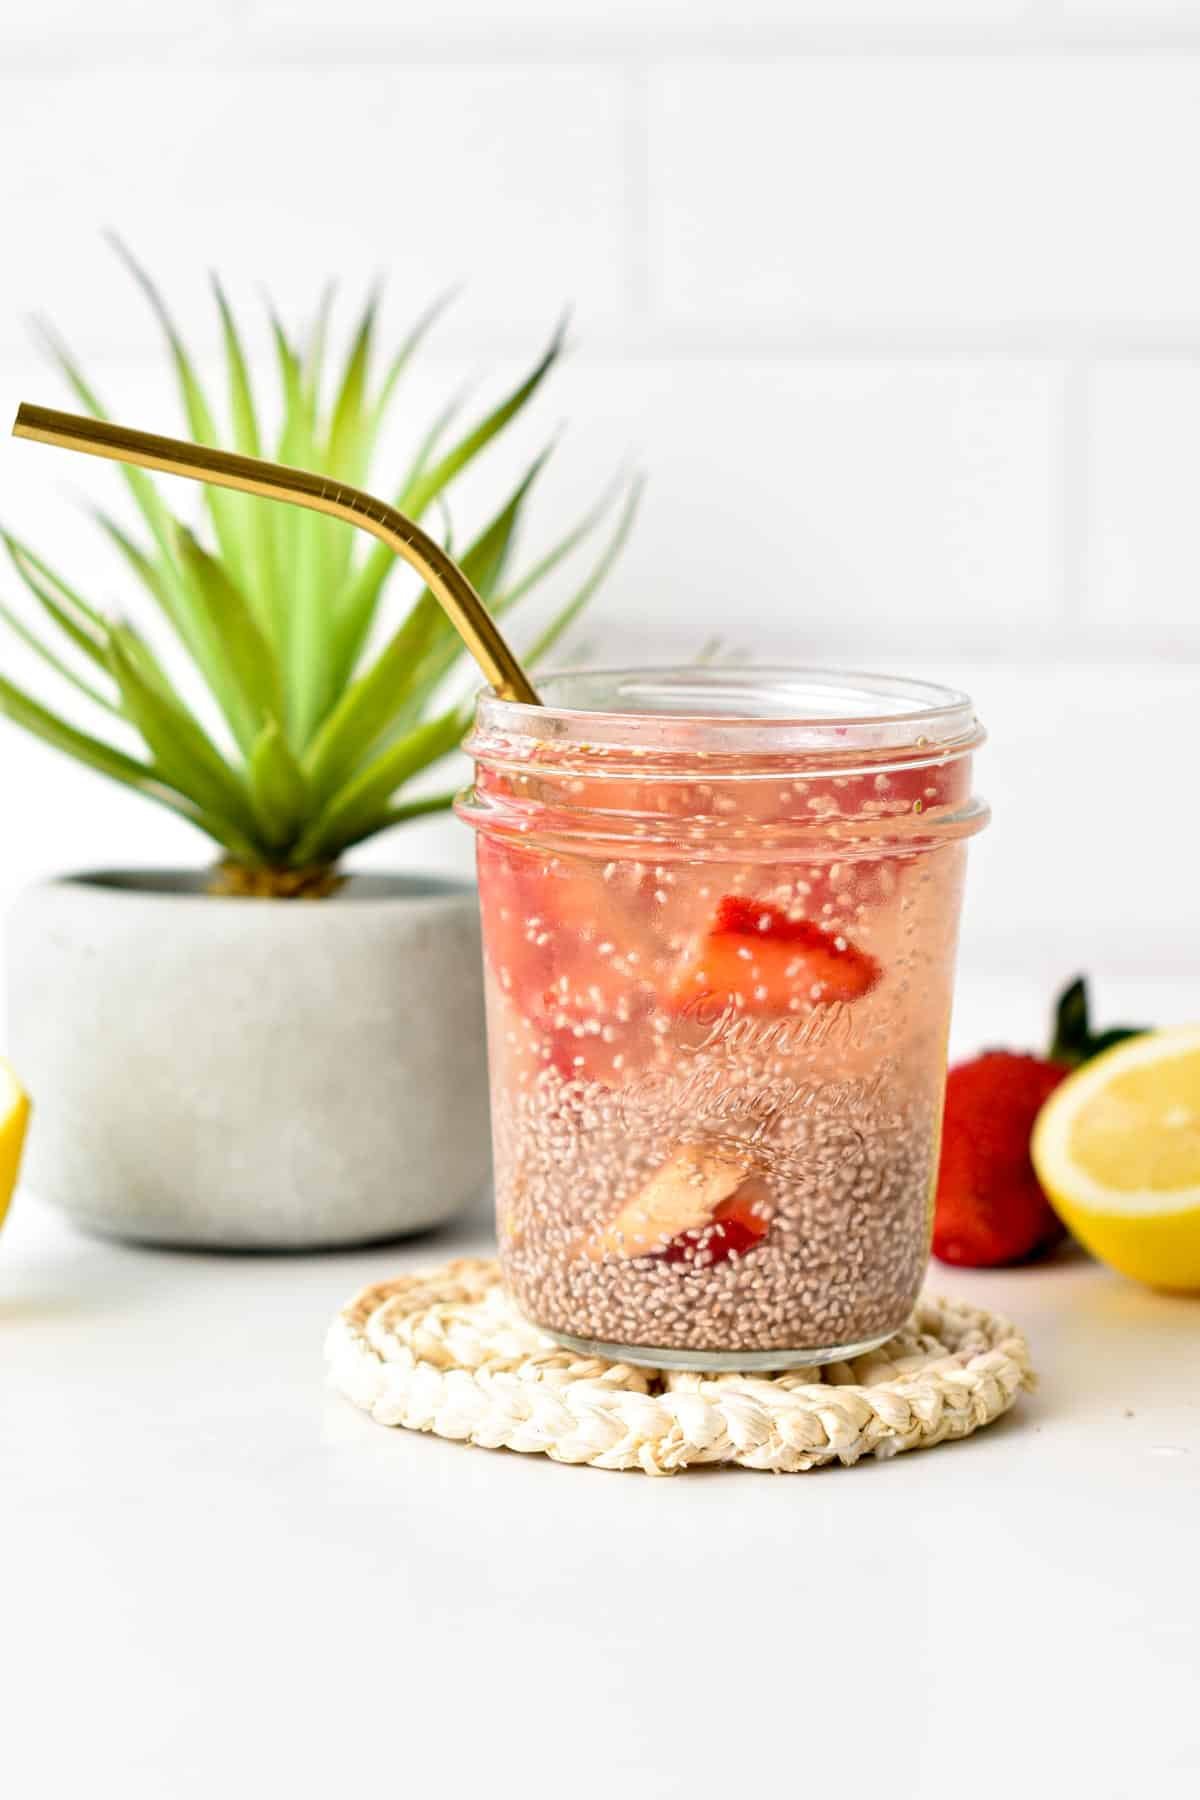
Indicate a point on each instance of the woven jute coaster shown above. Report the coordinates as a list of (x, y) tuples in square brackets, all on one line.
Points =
[(448, 1352)]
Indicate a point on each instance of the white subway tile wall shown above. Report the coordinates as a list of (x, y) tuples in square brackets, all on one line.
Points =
[(897, 302), (936, 193), (1143, 573)]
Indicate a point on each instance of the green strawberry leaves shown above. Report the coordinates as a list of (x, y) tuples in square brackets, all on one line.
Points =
[(1074, 1041)]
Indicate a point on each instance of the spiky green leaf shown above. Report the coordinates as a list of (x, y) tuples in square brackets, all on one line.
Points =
[(347, 449), (157, 514), (567, 615), (382, 696), (107, 760), (183, 755), (187, 600), (399, 815), (436, 431), (367, 708), (404, 356), (295, 435), (366, 796), (171, 588), (313, 357), (348, 442), (427, 482), (69, 611), (358, 603), (242, 410), (558, 553), (160, 581), (52, 660), (251, 689), (228, 511), (279, 790), (437, 664), (257, 530), (433, 480), (307, 550)]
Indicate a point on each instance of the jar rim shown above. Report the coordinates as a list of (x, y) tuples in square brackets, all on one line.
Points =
[(742, 708), (559, 774)]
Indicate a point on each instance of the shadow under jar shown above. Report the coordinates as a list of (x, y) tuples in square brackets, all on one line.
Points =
[(720, 912)]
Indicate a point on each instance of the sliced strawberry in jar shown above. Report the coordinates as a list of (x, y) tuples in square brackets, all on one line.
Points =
[(572, 952), (737, 1225), (535, 921), (521, 965), (758, 958), (596, 1007), (702, 1205), (681, 1196), (588, 1044)]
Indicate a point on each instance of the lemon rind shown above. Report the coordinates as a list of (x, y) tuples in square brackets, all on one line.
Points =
[(1052, 1131), (12, 1094)]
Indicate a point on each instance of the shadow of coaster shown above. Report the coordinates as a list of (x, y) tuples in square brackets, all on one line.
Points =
[(449, 1352)]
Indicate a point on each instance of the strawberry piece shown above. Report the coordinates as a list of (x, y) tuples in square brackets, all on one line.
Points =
[(588, 1046), (679, 1200), (763, 961), (990, 1208), (521, 965), (559, 942), (735, 1228)]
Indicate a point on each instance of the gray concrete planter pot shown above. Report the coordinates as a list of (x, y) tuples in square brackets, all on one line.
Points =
[(250, 1074)]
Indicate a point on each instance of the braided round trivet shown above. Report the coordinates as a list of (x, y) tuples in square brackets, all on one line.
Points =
[(448, 1352)]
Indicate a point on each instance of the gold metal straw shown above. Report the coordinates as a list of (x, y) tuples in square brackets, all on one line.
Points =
[(302, 487)]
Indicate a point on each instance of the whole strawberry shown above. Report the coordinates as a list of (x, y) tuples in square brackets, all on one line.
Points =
[(990, 1208)]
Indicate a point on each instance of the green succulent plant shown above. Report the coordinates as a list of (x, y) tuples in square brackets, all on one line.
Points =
[(326, 708)]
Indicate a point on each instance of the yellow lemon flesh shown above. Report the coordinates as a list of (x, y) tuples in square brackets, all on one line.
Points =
[(1117, 1149), (14, 1116)]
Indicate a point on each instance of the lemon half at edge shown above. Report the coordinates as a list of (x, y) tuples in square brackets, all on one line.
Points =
[(1117, 1149), (14, 1116)]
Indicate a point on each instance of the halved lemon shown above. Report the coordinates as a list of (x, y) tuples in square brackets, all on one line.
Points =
[(1117, 1149), (14, 1116)]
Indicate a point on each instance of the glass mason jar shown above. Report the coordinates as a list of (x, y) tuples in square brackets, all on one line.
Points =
[(720, 911)]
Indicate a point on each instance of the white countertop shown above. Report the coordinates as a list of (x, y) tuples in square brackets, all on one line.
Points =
[(216, 1578)]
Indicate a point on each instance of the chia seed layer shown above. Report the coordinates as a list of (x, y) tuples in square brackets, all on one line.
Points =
[(845, 1193)]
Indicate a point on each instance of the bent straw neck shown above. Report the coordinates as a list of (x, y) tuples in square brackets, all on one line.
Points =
[(301, 487)]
